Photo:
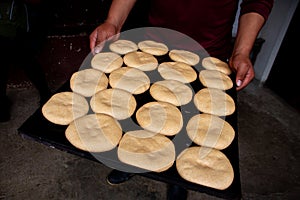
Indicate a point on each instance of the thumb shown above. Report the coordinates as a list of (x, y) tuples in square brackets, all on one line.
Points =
[(244, 77), (98, 48)]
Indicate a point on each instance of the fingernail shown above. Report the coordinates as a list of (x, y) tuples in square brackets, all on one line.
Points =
[(97, 50), (239, 83)]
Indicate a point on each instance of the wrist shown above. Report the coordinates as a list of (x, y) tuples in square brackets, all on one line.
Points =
[(241, 52), (114, 23)]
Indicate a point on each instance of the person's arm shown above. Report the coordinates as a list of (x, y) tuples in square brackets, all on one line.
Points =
[(249, 26), (118, 13)]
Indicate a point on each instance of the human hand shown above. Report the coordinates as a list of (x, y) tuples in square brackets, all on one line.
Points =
[(242, 66), (105, 31)]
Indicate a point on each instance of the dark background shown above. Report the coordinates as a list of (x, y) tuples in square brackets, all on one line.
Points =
[(284, 78), (77, 18)]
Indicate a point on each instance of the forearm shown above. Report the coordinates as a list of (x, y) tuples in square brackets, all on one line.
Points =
[(249, 26), (119, 11)]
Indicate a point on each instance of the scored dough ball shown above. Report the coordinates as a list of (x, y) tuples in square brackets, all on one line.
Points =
[(117, 103), (123, 46), (210, 131), (106, 61), (147, 150), (64, 107), (130, 79), (87, 82), (213, 63), (184, 56), (171, 91), (152, 47), (215, 79), (205, 166), (141, 60), (94, 133), (160, 117), (214, 101), (177, 71)]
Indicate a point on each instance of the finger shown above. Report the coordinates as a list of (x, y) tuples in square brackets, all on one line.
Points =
[(100, 42), (93, 39), (244, 78), (99, 47), (102, 38), (241, 85), (241, 72)]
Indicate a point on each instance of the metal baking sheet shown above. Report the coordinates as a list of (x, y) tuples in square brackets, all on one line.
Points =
[(38, 128)]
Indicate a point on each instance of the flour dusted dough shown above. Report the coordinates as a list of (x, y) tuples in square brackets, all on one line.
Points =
[(160, 117), (205, 166), (94, 133), (177, 71), (62, 108), (117, 103), (123, 46), (106, 61), (147, 150), (214, 101), (141, 60), (184, 56), (130, 79), (215, 79), (171, 91), (87, 82), (153, 47), (213, 63), (210, 131)]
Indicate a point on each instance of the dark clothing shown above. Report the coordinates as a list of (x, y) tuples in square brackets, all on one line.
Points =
[(21, 39), (210, 23), (22, 35), (22, 53)]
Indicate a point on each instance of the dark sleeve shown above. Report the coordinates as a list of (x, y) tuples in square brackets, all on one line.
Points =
[(262, 7)]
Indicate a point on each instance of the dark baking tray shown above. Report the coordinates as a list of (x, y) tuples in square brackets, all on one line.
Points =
[(38, 128)]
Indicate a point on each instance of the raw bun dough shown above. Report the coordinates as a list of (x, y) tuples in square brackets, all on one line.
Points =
[(64, 107), (214, 101), (152, 47), (107, 61), (171, 91), (141, 60), (177, 71), (117, 103), (210, 131), (205, 166), (87, 82), (123, 46), (213, 63), (184, 56), (94, 133), (130, 79), (215, 79), (160, 117), (147, 150)]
